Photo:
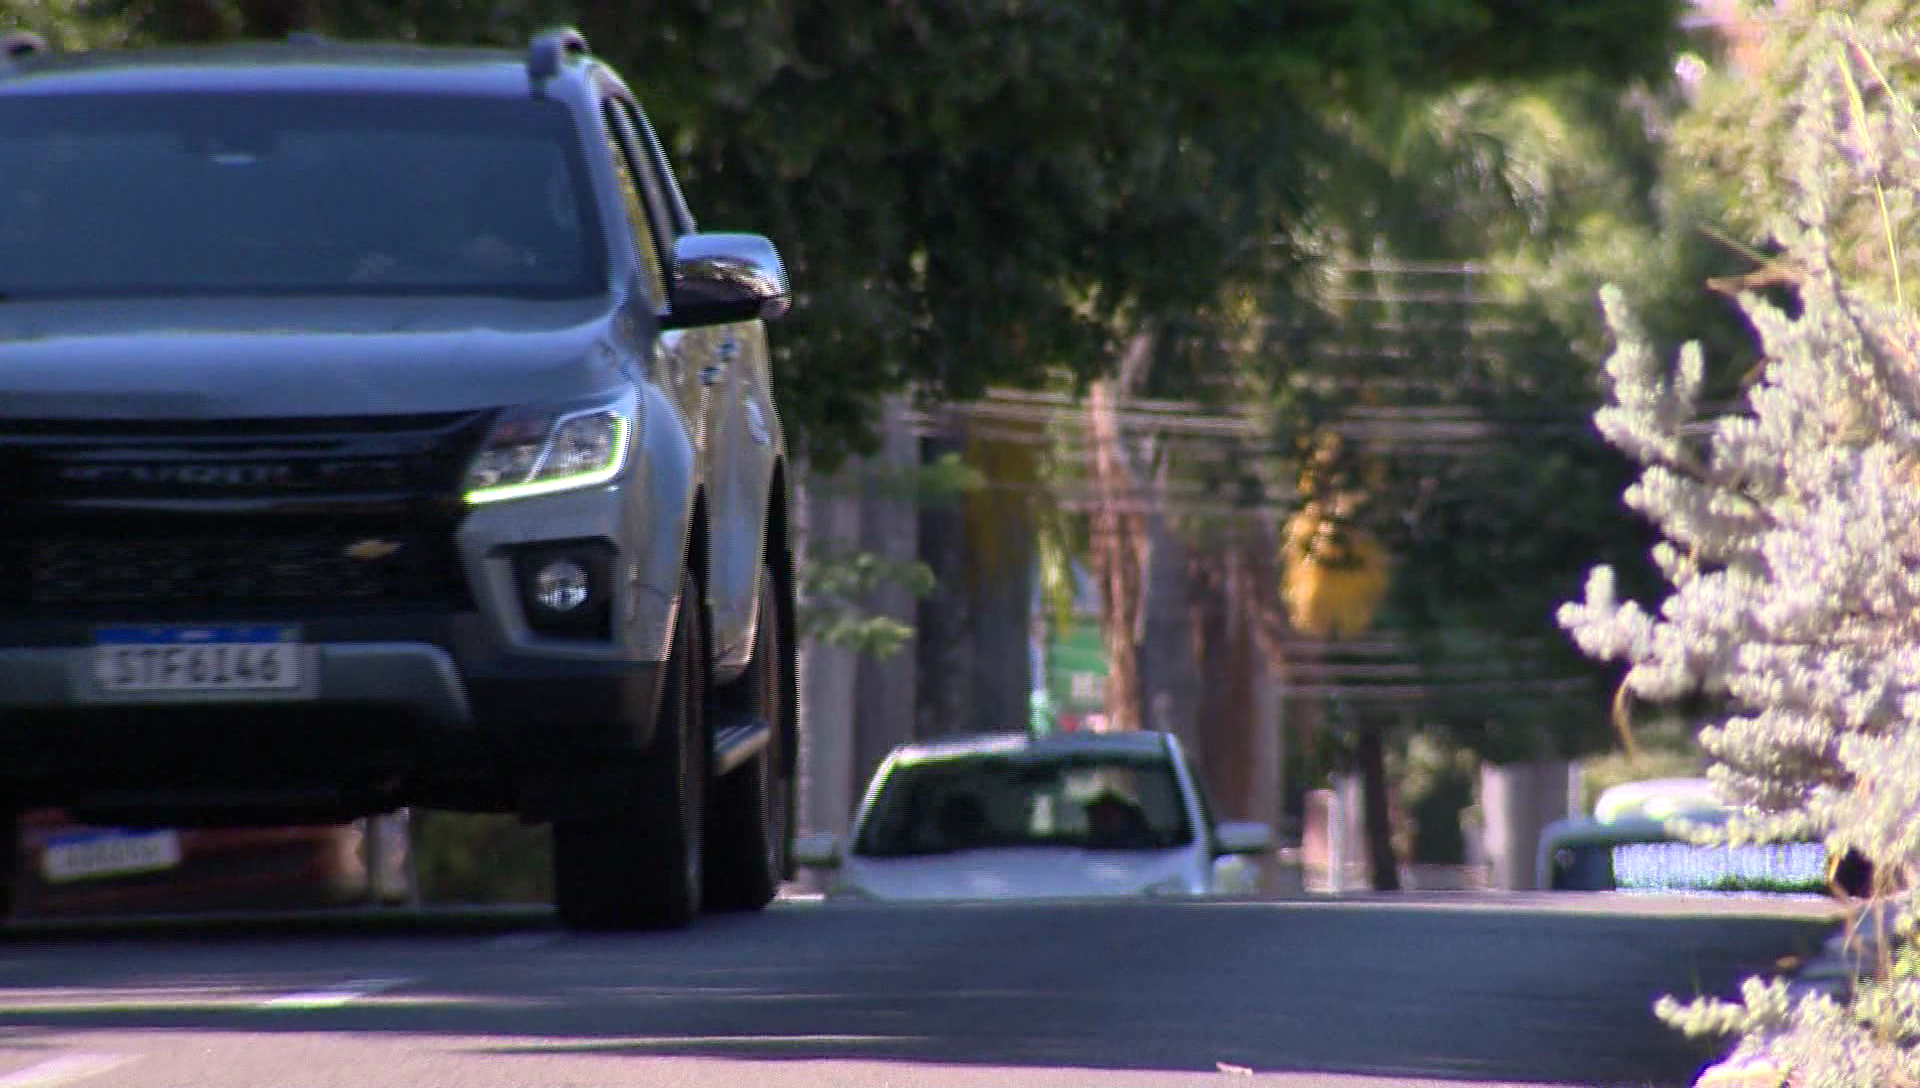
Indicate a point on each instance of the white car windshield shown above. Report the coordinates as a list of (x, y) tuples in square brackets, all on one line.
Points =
[(977, 802)]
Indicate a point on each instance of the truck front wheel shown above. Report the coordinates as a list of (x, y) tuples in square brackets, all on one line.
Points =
[(641, 866)]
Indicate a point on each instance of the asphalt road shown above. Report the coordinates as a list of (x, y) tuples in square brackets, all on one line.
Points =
[(1529, 990)]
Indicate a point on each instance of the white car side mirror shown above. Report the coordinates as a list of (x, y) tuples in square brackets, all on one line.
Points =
[(817, 851), (1242, 837)]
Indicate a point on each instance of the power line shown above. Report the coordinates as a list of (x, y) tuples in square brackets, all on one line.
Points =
[(1188, 419)]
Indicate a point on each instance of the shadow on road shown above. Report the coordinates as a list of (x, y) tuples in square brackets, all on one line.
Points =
[(1520, 995)]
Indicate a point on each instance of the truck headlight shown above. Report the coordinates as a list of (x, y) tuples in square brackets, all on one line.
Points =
[(533, 452)]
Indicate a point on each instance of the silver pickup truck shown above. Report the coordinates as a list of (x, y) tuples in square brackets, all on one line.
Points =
[(377, 429)]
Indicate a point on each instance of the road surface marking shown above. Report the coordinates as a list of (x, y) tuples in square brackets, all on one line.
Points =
[(331, 998), (64, 1069)]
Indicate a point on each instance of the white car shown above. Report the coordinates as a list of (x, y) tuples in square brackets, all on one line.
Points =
[(1018, 816)]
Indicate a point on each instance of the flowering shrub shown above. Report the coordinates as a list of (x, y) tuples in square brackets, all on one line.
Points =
[(1792, 547)]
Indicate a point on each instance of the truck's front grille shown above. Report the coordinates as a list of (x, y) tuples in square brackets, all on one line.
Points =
[(207, 519), (97, 466), (327, 568)]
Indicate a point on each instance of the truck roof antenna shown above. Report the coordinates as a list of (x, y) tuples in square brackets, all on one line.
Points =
[(550, 50)]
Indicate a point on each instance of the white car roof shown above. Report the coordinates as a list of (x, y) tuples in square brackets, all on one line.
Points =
[(1143, 742), (1658, 798)]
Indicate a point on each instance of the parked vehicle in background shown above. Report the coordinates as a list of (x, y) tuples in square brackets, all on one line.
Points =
[(1019, 816), (69, 869), (379, 430), (1630, 844)]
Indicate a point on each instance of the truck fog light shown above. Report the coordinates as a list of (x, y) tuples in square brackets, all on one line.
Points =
[(561, 586), (566, 587)]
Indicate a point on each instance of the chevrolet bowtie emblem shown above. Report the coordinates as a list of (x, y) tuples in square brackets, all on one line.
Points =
[(372, 548)]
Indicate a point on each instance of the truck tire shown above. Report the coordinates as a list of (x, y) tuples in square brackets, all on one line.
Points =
[(13, 874), (641, 867), (750, 821)]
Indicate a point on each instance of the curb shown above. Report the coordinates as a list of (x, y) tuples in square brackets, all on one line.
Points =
[(1749, 1072), (1850, 955)]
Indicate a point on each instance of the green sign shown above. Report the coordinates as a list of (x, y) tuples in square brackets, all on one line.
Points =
[(1077, 668)]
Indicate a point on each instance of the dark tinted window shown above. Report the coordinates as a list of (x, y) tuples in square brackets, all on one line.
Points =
[(993, 801), (1585, 867), (292, 193)]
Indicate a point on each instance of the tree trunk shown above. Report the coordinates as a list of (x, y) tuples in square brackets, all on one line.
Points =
[(1229, 728), (1002, 534), (1119, 554), (1169, 654), (1254, 586), (943, 643), (1372, 757), (825, 522), (884, 693), (1238, 748), (1001, 613)]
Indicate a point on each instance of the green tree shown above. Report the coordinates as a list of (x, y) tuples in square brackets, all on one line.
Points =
[(1428, 382), (838, 579), (64, 24), (1473, 225), (979, 194)]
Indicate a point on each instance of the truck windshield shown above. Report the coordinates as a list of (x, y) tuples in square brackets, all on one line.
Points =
[(984, 802), (164, 194)]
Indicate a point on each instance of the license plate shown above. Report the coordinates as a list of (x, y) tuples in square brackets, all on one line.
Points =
[(197, 660), (94, 855)]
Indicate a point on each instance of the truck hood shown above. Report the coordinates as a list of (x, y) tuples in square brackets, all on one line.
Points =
[(226, 358)]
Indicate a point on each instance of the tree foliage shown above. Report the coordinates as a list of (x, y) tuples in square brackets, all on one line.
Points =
[(1460, 238), (838, 581), (979, 194), (833, 585)]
